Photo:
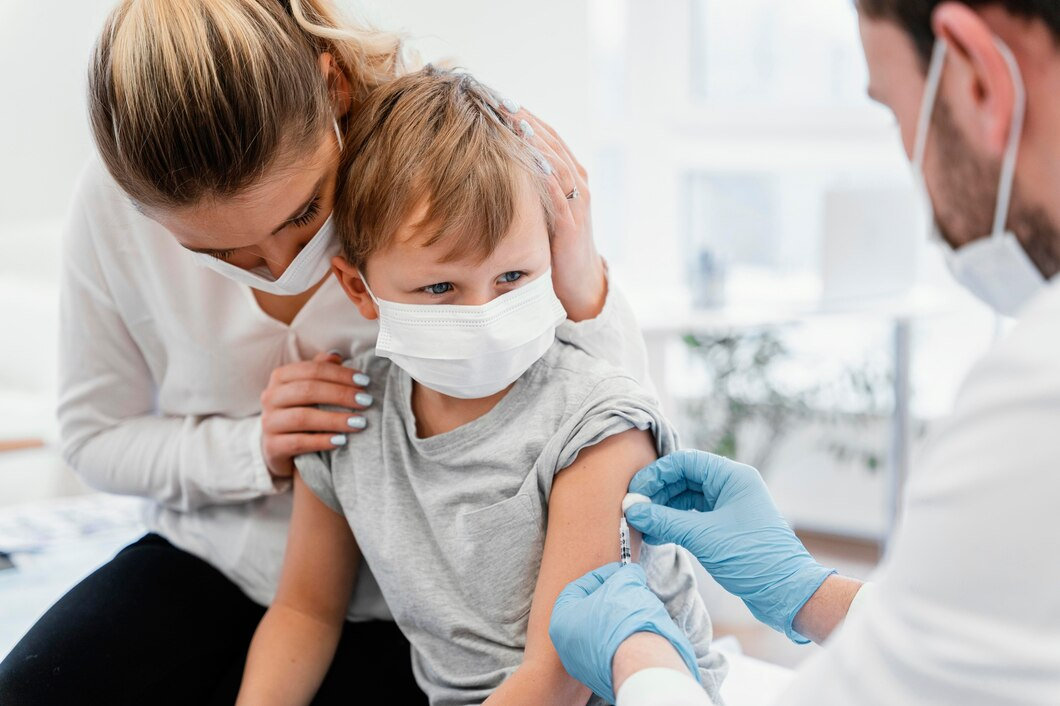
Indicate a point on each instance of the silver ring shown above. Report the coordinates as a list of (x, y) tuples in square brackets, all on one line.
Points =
[(574, 194)]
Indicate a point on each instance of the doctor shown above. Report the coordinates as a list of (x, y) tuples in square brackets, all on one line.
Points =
[(965, 609)]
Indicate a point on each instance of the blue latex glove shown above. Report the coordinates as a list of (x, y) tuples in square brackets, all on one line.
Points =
[(596, 613), (722, 512)]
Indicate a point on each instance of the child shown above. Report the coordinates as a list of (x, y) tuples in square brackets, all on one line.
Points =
[(496, 458)]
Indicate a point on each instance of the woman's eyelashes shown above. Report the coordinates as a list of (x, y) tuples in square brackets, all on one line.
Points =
[(310, 213), (307, 216)]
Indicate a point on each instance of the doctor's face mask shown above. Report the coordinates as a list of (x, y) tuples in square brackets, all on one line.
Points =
[(973, 198)]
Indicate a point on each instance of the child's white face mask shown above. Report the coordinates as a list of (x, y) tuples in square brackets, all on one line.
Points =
[(471, 351)]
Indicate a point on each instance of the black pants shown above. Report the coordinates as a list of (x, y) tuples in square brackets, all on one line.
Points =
[(158, 626)]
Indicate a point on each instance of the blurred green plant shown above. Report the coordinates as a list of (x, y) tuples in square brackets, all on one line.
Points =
[(751, 397)]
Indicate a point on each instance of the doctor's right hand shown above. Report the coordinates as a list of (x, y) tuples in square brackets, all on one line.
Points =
[(722, 512), (291, 423)]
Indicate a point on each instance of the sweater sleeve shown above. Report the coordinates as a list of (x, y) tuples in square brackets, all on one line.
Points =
[(110, 432), (614, 336)]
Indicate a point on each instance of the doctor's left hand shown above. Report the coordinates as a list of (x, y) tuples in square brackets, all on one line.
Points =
[(596, 613), (577, 269)]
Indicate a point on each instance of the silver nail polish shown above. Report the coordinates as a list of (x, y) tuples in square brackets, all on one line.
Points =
[(338, 440), (510, 105), (357, 422), (361, 380), (364, 399), (525, 128)]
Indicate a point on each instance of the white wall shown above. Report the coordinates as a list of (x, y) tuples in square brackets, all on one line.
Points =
[(44, 136), (538, 54)]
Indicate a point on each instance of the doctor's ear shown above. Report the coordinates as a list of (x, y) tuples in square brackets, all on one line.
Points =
[(353, 285), (979, 87)]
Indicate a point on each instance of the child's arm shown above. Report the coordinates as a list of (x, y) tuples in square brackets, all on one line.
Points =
[(296, 640), (583, 514)]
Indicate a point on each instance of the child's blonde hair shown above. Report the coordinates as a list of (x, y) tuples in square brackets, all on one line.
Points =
[(194, 99), (434, 139)]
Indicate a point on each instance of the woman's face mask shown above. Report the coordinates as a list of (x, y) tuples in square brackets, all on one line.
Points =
[(277, 237), (310, 266)]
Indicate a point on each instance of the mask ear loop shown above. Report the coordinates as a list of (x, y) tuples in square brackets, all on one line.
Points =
[(338, 132), (927, 106), (1008, 164), (923, 128), (364, 281)]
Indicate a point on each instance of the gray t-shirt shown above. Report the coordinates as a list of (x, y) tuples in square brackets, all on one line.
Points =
[(453, 526)]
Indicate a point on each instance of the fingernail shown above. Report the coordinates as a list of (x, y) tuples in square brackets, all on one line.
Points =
[(361, 379), (364, 399), (357, 422), (510, 105), (525, 128), (335, 351), (338, 440), (546, 166)]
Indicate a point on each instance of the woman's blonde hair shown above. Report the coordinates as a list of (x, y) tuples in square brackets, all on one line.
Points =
[(194, 99)]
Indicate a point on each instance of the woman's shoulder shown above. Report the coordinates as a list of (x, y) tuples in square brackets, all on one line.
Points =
[(101, 214), (96, 189)]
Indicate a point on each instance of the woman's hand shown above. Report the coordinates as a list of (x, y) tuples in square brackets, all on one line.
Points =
[(290, 423), (577, 268)]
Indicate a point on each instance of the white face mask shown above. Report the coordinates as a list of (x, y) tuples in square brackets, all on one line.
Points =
[(996, 269), (471, 352), (309, 267)]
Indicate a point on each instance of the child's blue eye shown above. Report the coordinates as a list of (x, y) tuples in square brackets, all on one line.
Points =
[(509, 277), (439, 289)]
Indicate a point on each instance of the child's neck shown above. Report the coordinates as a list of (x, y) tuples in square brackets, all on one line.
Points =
[(436, 413)]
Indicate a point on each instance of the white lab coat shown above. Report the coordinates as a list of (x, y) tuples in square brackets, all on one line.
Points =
[(966, 605), (965, 608)]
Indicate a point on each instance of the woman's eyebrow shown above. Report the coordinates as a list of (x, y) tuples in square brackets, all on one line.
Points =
[(301, 209)]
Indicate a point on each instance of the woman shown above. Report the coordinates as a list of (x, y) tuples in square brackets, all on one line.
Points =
[(201, 328)]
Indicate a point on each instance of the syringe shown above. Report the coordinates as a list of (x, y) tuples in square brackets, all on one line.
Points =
[(623, 542)]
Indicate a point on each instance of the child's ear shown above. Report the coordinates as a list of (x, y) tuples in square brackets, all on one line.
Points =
[(353, 285)]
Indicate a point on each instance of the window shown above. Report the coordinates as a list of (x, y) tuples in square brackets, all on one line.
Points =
[(741, 175)]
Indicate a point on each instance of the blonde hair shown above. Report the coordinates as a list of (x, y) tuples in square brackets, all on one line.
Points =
[(434, 139), (194, 99)]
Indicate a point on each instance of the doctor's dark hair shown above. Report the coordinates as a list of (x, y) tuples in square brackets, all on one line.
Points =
[(914, 16), (434, 145), (197, 99)]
